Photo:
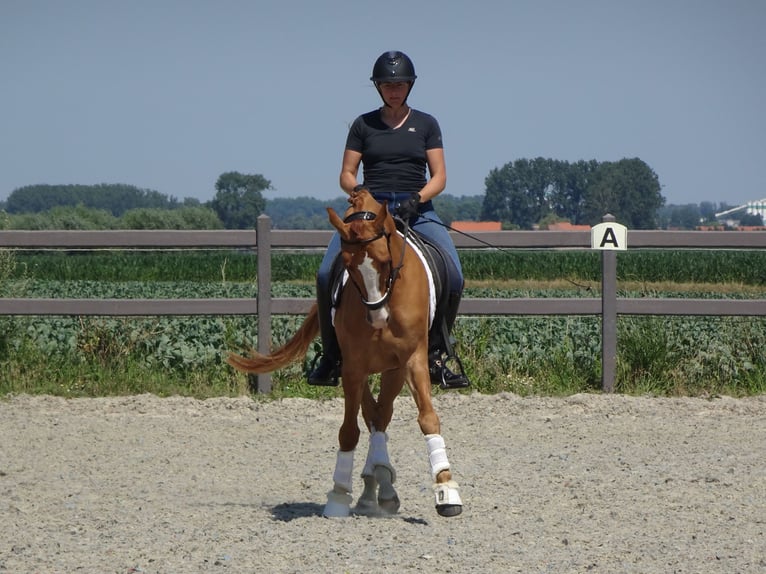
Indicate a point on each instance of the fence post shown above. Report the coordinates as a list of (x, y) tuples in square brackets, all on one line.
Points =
[(608, 315), (263, 252)]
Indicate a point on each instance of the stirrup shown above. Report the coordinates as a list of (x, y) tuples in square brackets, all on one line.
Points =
[(322, 379), (442, 375)]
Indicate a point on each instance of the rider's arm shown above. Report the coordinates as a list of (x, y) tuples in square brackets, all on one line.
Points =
[(437, 169), (349, 170)]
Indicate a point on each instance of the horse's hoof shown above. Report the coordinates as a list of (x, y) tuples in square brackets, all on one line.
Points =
[(449, 509), (448, 501), (389, 507), (366, 508), (338, 505)]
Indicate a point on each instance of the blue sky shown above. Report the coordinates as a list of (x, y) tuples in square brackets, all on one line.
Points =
[(169, 94)]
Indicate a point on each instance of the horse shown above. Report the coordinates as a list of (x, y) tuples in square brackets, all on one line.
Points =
[(381, 322)]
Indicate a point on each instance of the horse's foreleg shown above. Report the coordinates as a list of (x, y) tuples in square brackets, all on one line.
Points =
[(368, 501), (339, 498), (378, 473), (446, 490)]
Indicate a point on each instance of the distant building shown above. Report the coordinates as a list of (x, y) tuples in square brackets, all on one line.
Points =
[(566, 226), (735, 227), (469, 226), (755, 207)]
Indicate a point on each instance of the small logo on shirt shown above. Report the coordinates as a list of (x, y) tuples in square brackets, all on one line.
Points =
[(411, 130)]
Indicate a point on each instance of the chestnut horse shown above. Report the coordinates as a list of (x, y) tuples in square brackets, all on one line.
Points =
[(382, 322)]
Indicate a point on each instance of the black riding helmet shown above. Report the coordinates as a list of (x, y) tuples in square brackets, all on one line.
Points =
[(393, 66)]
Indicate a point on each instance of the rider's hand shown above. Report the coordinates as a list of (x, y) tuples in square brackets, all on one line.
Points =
[(408, 209)]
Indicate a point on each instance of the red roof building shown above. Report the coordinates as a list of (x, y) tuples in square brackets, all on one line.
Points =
[(468, 226)]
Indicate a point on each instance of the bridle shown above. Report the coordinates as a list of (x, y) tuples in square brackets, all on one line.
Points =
[(393, 272)]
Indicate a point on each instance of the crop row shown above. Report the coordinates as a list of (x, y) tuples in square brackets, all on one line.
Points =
[(746, 267)]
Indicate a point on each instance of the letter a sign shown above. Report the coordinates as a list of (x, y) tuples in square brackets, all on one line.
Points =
[(609, 236)]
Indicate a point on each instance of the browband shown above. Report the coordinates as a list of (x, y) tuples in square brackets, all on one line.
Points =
[(363, 215)]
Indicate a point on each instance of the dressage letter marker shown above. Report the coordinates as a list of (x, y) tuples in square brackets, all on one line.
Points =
[(609, 236)]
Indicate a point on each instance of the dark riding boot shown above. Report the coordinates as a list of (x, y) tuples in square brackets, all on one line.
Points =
[(441, 374), (325, 370), (444, 366)]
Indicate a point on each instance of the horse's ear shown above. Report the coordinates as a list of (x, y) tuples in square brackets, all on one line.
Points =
[(356, 200), (386, 220), (337, 222)]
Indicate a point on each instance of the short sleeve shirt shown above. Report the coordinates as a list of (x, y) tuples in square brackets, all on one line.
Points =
[(394, 160)]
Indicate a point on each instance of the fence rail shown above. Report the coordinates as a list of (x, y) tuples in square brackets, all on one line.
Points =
[(264, 239)]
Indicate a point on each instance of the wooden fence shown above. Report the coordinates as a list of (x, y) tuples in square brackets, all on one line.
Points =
[(264, 239)]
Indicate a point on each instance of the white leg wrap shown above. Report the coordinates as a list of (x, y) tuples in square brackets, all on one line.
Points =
[(377, 455), (338, 504), (378, 448), (447, 494), (437, 454), (344, 467)]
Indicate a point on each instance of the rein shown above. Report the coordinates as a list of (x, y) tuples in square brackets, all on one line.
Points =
[(496, 248), (393, 271)]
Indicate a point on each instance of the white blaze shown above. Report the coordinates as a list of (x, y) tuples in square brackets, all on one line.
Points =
[(371, 279)]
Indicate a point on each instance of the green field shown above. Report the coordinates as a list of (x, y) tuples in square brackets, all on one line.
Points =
[(747, 267), (94, 356)]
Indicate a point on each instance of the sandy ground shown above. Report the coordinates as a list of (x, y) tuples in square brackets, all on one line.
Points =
[(582, 484)]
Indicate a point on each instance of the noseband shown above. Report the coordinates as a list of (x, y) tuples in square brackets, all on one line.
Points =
[(393, 271)]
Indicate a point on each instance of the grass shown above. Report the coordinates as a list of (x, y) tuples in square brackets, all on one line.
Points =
[(526, 356)]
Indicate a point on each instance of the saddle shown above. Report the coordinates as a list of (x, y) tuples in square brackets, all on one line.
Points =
[(432, 255), (440, 341), (441, 344)]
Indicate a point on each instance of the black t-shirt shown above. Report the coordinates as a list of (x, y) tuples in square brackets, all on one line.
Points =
[(394, 160)]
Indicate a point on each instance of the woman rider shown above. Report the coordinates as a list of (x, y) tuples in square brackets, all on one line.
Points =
[(395, 143)]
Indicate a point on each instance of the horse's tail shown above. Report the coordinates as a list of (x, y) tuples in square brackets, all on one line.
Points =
[(291, 351)]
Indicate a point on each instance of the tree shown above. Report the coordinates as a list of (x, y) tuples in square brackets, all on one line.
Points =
[(527, 191), (751, 219), (569, 188), (518, 193), (198, 217), (303, 212), (685, 216), (629, 190), (708, 210), (64, 217), (238, 200), (115, 198), (463, 208)]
